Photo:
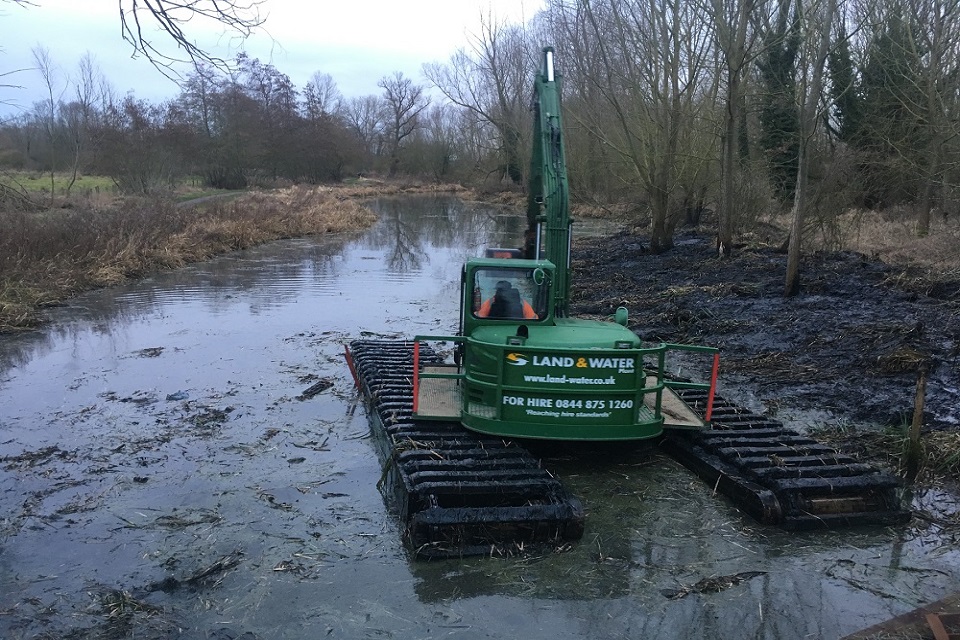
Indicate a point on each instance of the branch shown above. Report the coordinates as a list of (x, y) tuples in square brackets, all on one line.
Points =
[(240, 16)]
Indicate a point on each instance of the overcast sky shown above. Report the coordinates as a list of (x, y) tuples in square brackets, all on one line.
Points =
[(355, 41)]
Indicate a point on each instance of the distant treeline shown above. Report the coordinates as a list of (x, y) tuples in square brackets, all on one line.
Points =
[(742, 107)]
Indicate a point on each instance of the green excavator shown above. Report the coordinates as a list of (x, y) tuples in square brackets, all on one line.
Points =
[(523, 367)]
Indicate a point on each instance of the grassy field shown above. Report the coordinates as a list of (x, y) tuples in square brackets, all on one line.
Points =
[(38, 183)]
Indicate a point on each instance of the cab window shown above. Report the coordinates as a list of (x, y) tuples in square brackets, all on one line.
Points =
[(510, 294)]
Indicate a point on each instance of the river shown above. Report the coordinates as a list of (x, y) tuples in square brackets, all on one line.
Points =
[(162, 476)]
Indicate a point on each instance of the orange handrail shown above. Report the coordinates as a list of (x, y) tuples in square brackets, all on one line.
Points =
[(713, 386)]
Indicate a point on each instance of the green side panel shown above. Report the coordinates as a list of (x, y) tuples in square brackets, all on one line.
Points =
[(561, 334), (540, 389)]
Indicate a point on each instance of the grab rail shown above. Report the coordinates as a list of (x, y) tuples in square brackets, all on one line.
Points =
[(710, 387), (416, 364)]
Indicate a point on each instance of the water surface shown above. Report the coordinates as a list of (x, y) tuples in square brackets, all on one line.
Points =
[(159, 477)]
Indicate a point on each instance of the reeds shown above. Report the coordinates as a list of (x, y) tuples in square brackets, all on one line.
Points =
[(49, 255), (939, 450)]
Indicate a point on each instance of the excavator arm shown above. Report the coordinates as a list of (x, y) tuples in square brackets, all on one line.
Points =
[(548, 210)]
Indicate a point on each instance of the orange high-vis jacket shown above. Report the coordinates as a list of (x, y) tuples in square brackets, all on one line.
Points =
[(528, 312)]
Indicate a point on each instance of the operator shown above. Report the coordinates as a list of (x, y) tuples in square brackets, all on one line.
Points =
[(506, 303)]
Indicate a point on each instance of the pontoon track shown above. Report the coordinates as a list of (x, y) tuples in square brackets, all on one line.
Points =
[(780, 476), (456, 492)]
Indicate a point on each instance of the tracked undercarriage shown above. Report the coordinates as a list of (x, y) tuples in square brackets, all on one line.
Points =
[(780, 476), (456, 492), (462, 493)]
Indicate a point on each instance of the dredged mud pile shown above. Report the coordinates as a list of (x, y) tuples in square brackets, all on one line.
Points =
[(849, 346)]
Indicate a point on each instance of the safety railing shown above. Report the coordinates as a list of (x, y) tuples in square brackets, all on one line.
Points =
[(417, 374), (710, 387)]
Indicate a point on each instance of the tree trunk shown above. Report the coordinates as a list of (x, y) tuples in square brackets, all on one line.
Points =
[(730, 165), (792, 284), (808, 127), (732, 37)]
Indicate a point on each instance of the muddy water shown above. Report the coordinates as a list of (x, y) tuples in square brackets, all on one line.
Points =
[(162, 475)]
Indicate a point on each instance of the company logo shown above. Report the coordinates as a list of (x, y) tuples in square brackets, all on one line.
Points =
[(621, 365), (517, 359)]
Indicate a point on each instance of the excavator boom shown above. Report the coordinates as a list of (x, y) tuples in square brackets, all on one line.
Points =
[(548, 210)]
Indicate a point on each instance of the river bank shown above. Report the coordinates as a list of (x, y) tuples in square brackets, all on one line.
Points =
[(846, 351), (48, 255)]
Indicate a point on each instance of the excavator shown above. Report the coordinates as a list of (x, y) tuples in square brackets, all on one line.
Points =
[(453, 433), (523, 367)]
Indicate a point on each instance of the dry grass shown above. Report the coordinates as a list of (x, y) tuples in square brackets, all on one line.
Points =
[(940, 450), (893, 239), (48, 255), (890, 236)]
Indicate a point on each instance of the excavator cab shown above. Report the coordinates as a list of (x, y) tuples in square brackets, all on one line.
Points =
[(499, 289), (522, 370)]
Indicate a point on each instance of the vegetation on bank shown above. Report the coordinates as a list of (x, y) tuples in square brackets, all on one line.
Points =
[(940, 450), (49, 254)]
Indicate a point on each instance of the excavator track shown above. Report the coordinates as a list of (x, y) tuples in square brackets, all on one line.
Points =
[(780, 476), (457, 493), (460, 493)]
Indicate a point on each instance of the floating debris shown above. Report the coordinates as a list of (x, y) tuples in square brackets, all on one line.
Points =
[(201, 577), (210, 418), (316, 388), (119, 604), (712, 585)]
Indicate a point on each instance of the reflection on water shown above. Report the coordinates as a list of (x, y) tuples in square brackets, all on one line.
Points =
[(413, 234), (153, 429)]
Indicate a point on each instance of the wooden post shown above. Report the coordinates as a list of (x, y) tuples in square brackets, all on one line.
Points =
[(912, 453)]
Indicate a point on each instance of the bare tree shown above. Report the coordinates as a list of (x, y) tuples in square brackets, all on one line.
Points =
[(638, 66), (939, 83), (439, 133), (46, 110), (139, 18), (731, 19), (404, 101), (321, 96), (816, 23), (365, 117), (492, 79), (241, 17), (198, 97), (79, 114)]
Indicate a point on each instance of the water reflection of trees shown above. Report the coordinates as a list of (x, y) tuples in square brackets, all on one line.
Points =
[(400, 236), (270, 275), (412, 228)]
